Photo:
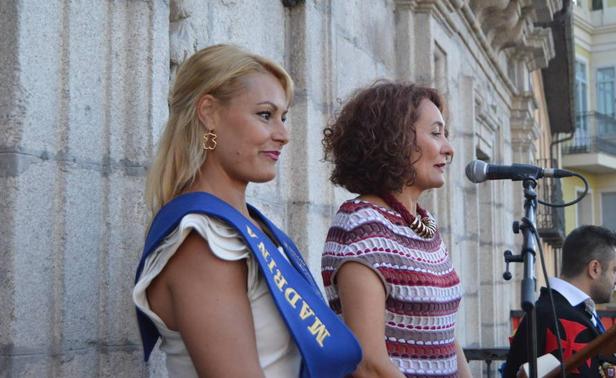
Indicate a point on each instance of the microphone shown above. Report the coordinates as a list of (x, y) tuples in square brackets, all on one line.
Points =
[(479, 171)]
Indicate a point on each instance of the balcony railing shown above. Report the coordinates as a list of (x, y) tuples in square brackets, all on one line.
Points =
[(550, 220), (595, 132), (488, 355)]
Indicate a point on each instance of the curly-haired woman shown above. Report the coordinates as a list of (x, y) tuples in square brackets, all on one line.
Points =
[(385, 266)]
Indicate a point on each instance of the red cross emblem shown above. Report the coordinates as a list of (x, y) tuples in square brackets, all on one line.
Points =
[(572, 331)]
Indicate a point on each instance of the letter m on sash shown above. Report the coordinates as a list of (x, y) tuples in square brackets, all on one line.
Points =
[(318, 330)]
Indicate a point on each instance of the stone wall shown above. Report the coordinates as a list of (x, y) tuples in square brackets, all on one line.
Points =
[(83, 102)]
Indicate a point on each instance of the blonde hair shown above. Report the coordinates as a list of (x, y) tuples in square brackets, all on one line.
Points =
[(217, 71)]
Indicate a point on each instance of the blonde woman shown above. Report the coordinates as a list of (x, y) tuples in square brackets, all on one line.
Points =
[(226, 290)]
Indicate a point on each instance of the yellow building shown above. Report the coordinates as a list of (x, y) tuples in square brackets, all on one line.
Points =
[(591, 151)]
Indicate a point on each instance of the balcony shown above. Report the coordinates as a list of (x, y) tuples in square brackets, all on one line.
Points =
[(550, 220), (593, 148)]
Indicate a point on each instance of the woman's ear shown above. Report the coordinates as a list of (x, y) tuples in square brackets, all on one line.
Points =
[(206, 106)]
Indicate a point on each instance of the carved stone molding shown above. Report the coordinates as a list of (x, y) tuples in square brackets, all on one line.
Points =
[(518, 25), (545, 9), (486, 126), (484, 9), (291, 3), (538, 50), (457, 4), (524, 129), (182, 33)]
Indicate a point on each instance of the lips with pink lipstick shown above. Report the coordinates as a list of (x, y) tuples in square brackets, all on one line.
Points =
[(274, 155), (441, 166)]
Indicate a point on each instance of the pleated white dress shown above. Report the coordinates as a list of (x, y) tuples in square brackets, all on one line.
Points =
[(278, 353)]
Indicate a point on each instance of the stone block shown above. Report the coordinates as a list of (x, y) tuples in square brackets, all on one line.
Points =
[(125, 219), (234, 21), (77, 363), (273, 207), (36, 255), (82, 73), (8, 188), (121, 362), (81, 261), (39, 94), (364, 25), (135, 104), (11, 92), (318, 224), (355, 69), (29, 366)]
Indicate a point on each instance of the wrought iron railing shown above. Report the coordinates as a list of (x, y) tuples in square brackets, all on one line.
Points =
[(550, 220), (595, 132), (487, 355)]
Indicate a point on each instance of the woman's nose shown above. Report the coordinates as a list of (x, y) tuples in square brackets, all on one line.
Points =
[(447, 149), (281, 133)]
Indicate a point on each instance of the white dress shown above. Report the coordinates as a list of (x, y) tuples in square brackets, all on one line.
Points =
[(278, 354)]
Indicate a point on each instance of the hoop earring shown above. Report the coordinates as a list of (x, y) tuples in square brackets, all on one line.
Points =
[(209, 140)]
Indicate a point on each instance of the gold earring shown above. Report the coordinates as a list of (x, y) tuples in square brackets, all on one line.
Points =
[(209, 140)]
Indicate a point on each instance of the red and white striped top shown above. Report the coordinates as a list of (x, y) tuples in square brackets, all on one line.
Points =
[(423, 290)]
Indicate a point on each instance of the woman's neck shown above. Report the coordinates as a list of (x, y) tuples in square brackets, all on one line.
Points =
[(222, 186), (408, 197)]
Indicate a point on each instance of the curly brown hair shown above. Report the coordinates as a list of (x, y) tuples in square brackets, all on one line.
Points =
[(373, 136)]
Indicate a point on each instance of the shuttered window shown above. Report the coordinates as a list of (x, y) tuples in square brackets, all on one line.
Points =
[(608, 210)]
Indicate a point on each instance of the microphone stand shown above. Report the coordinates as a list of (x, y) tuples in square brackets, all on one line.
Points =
[(527, 256)]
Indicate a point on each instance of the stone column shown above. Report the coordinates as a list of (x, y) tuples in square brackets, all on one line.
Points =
[(84, 89)]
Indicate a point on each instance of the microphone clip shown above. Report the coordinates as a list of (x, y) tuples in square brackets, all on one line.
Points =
[(509, 258)]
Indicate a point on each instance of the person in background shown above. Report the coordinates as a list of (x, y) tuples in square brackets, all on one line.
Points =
[(385, 267), (226, 290), (588, 277)]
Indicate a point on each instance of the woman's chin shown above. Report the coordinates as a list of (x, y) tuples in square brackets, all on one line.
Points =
[(263, 178)]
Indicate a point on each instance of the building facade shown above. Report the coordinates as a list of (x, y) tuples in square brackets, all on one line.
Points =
[(84, 98), (591, 151)]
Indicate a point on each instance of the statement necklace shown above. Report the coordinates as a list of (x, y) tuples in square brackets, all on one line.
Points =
[(422, 224)]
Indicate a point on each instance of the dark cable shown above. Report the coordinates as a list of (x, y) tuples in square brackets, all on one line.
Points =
[(575, 200)]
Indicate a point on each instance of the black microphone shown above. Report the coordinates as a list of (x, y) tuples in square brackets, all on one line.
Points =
[(479, 171)]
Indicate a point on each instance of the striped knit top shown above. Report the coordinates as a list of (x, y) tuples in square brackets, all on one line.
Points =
[(422, 288)]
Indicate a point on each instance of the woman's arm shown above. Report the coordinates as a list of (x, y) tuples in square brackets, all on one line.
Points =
[(362, 296), (204, 298), (464, 371)]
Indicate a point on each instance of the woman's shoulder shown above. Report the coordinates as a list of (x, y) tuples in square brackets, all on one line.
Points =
[(223, 239), (359, 211)]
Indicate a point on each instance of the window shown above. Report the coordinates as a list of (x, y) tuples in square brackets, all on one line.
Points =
[(597, 5), (584, 209), (605, 91), (581, 106), (605, 101), (608, 210), (440, 69)]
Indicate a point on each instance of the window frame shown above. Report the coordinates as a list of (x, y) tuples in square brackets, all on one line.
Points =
[(598, 99), (611, 189), (577, 191)]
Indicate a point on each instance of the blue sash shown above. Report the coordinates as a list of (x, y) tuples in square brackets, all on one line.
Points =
[(327, 346)]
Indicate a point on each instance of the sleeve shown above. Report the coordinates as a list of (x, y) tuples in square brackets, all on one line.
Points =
[(518, 351), (353, 237), (222, 239)]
